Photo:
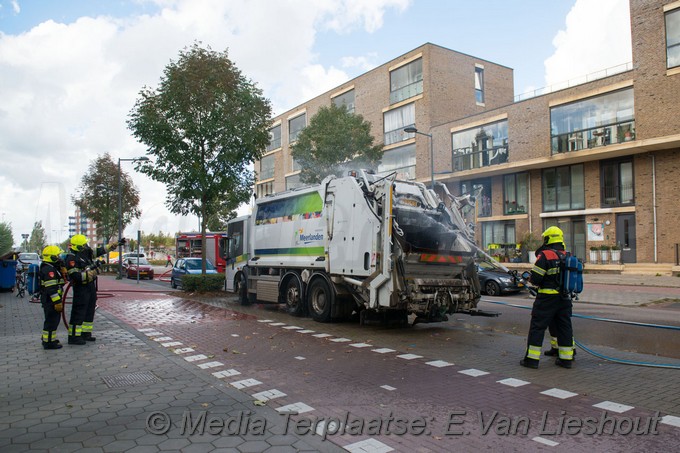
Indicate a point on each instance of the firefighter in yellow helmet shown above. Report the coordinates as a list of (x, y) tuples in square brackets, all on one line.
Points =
[(82, 269), (52, 281), (551, 307)]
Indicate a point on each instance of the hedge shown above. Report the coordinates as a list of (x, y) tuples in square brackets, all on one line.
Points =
[(202, 283)]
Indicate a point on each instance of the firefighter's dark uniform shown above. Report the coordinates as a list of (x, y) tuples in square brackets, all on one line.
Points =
[(551, 308), (51, 290), (80, 266)]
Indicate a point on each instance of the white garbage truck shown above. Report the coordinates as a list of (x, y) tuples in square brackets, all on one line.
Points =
[(376, 246)]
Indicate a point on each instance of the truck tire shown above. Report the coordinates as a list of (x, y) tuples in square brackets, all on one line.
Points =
[(320, 299), (241, 287), (292, 296)]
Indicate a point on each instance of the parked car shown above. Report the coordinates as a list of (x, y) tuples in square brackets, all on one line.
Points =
[(26, 259), (137, 265), (496, 282), (184, 266)]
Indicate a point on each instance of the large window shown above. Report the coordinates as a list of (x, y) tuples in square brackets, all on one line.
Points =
[(515, 193), (402, 160), (267, 167), (274, 138), (406, 81), (597, 121), (346, 99), (295, 126), (673, 38), (498, 236), (483, 201), (574, 229), (479, 84), (481, 146), (563, 188), (396, 120), (617, 183)]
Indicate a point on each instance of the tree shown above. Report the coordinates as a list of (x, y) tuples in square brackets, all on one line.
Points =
[(334, 140), (204, 124), (6, 238), (97, 196), (38, 239)]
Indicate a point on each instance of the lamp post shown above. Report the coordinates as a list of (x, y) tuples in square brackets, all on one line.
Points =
[(413, 130), (120, 212)]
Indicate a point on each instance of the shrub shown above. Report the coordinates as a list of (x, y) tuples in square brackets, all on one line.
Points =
[(202, 283)]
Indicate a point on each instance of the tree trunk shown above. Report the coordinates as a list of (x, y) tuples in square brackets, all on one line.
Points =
[(203, 242)]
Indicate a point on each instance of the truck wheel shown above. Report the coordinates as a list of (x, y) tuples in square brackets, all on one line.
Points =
[(241, 287), (320, 299), (292, 296)]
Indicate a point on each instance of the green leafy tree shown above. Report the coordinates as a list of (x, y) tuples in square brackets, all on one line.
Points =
[(38, 239), (333, 141), (97, 196), (6, 239), (204, 124)]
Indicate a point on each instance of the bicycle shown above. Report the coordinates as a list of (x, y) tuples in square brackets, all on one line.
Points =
[(21, 283)]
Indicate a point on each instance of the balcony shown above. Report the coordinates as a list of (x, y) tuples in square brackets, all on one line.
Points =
[(468, 158), (593, 137), (406, 92), (618, 195)]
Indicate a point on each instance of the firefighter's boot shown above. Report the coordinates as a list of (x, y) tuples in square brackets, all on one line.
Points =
[(72, 339), (563, 363), (529, 363), (87, 336), (51, 345), (552, 352)]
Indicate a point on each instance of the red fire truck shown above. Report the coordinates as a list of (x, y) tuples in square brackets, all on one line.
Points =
[(188, 245)]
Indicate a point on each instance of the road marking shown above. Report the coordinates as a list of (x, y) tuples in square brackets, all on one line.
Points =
[(383, 350), (268, 395), (162, 339), (205, 366), (671, 420), (474, 373), (438, 363), (245, 383), (409, 356), (322, 335), (613, 407), (360, 345), (340, 340), (147, 329), (235, 335), (388, 387), (278, 324), (183, 350), (368, 445), (172, 343), (195, 358), (292, 328), (512, 382), (300, 408), (265, 320), (305, 331), (153, 334), (557, 393), (547, 442), (300, 357), (226, 373), (333, 427)]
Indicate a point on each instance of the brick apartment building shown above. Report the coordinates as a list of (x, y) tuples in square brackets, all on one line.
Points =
[(599, 159)]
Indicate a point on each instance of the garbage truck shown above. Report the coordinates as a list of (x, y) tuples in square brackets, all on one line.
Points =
[(363, 244)]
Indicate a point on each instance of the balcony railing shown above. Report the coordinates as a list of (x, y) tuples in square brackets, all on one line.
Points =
[(406, 92), (593, 137), (618, 195), (468, 158)]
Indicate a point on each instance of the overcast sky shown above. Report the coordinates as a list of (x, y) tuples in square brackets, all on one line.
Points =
[(71, 70)]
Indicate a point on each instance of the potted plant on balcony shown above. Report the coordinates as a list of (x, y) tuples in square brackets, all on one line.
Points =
[(594, 252), (604, 254), (616, 253), (528, 245)]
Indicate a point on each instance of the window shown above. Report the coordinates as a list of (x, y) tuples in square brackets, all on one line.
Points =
[(480, 146), (483, 202), (396, 120), (515, 193), (592, 122), (295, 125), (479, 84), (402, 160), (617, 183), (563, 188), (574, 229), (274, 138), (346, 99), (293, 182), (264, 189), (267, 167), (673, 38), (500, 235), (406, 81)]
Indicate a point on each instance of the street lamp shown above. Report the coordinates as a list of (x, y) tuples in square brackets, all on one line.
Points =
[(120, 212), (413, 130)]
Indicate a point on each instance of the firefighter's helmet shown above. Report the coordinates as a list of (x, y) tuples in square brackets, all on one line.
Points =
[(51, 253), (553, 235), (78, 242)]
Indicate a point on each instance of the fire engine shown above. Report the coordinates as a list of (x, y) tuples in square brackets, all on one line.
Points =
[(188, 245)]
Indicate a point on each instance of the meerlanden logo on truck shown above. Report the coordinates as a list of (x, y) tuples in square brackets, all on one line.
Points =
[(302, 238)]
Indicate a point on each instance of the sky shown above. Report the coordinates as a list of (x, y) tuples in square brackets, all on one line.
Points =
[(71, 70)]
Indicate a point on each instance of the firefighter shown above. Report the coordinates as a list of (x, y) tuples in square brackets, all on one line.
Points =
[(550, 306), (82, 272), (52, 279)]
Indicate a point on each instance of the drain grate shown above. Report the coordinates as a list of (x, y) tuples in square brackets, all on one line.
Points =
[(127, 379)]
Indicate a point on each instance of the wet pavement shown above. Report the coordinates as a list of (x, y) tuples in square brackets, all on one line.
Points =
[(452, 386)]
